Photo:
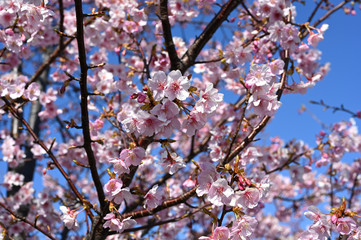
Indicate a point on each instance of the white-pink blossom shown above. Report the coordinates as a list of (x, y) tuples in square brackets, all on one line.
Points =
[(177, 86), (152, 198)]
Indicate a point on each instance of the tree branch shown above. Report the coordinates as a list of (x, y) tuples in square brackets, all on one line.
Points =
[(190, 56), (167, 35), (16, 114), (166, 204), (23, 219), (84, 103)]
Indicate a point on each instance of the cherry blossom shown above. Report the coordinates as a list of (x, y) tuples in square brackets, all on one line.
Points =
[(244, 228), (177, 86), (69, 218), (152, 198), (148, 120), (220, 192), (116, 224)]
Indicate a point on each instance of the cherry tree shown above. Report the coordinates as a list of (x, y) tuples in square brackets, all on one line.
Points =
[(139, 119)]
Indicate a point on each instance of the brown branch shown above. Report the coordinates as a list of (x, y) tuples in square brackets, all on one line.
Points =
[(193, 51), (16, 114), (315, 10), (23, 219), (167, 35), (333, 108), (61, 24), (47, 63), (324, 17), (166, 204), (238, 125), (84, 103), (176, 219)]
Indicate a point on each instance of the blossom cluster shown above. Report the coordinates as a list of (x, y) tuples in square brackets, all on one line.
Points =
[(155, 135)]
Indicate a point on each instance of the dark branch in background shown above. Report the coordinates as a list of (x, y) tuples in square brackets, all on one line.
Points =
[(61, 24), (167, 34), (324, 17), (353, 190), (84, 103), (50, 60), (335, 109), (192, 53), (16, 114), (248, 12), (23, 219), (315, 10)]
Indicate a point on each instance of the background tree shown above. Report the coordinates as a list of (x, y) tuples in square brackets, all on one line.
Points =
[(133, 132)]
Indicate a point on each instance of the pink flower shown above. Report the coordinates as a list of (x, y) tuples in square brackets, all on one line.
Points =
[(356, 235), (119, 166), (189, 183), (172, 162), (220, 192), (221, 233), (209, 99), (149, 124), (264, 100), (33, 92), (112, 188), (69, 218), (132, 156), (322, 228), (259, 75), (346, 225), (17, 90), (249, 198), (308, 235), (152, 198), (244, 228), (313, 213), (205, 182), (13, 179), (114, 223), (276, 66), (194, 121), (165, 111), (106, 82), (177, 86), (314, 39), (158, 84), (124, 195), (276, 31)]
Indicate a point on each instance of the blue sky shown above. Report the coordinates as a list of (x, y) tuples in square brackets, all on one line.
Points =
[(342, 48)]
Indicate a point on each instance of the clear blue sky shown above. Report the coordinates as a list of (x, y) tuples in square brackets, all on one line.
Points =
[(342, 48)]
